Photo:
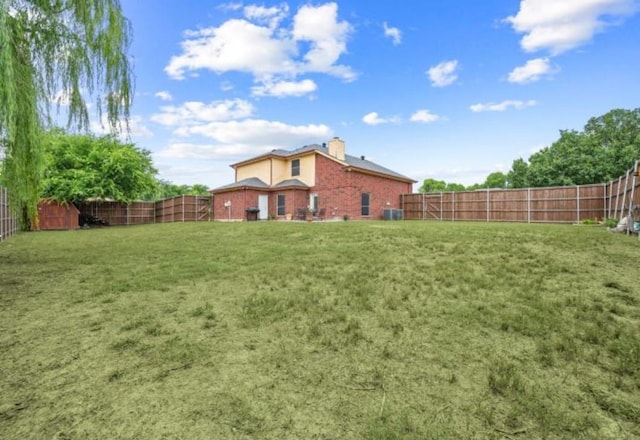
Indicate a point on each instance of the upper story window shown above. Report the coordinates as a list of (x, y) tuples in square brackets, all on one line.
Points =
[(295, 167)]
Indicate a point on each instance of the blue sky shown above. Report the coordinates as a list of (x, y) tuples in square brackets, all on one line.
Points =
[(444, 89)]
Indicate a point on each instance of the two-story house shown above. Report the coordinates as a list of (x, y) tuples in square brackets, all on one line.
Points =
[(284, 184)]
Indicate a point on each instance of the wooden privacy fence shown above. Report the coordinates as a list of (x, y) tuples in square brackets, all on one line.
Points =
[(624, 193), (8, 223), (567, 204), (184, 208)]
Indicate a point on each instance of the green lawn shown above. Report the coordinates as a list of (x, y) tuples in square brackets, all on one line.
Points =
[(347, 330)]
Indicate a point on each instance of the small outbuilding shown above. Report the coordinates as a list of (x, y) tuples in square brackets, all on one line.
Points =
[(57, 216)]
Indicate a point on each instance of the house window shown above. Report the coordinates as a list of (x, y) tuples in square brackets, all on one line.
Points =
[(281, 205), (364, 211), (295, 167)]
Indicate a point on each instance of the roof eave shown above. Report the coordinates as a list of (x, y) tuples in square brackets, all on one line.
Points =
[(271, 156), (378, 174), (238, 188)]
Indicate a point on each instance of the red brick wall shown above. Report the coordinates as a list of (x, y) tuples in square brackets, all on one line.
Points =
[(293, 199), (240, 201), (339, 191)]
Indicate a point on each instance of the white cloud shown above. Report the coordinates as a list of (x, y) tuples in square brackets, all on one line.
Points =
[(502, 106), (393, 33), (268, 51), (328, 38), (164, 95), (230, 6), (559, 26), (196, 112), (235, 45), (284, 88), (424, 116), (532, 71), (374, 118), (443, 74), (257, 132), (270, 16), (193, 151)]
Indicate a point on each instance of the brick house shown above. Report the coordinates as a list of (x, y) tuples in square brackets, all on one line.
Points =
[(285, 184)]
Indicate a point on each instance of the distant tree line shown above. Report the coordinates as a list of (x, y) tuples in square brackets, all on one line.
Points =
[(604, 150)]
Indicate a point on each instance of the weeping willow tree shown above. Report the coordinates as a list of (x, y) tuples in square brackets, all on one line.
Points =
[(56, 53)]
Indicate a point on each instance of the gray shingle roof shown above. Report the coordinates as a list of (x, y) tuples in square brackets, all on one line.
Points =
[(252, 182), (365, 164), (354, 161), (289, 183)]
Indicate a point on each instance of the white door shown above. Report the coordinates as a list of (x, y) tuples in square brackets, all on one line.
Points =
[(313, 202), (263, 206)]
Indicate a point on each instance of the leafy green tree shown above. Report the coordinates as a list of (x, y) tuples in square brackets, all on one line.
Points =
[(71, 48), (617, 134), (607, 147), (574, 159), (78, 167), (452, 186), (166, 189), (199, 190), (518, 176), (432, 185), (496, 180)]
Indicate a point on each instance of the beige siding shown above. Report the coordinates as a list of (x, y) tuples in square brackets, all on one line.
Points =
[(272, 171), (281, 170), (261, 170), (307, 170)]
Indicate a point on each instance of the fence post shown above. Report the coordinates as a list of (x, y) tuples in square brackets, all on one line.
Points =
[(633, 190), (2, 214), (441, 206), (8, 222), (528, 205), (488, 209), (453, 206), (615, 212), (610, 197), (578, 202), (624, 194)]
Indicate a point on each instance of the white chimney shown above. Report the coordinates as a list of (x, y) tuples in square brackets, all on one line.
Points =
[(336, 148)]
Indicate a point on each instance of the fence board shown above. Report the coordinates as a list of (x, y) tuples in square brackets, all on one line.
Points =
[(185, 208), (556, 205), (8, 223)]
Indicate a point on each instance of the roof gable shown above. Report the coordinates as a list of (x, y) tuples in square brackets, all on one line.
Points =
[(252, 182)]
